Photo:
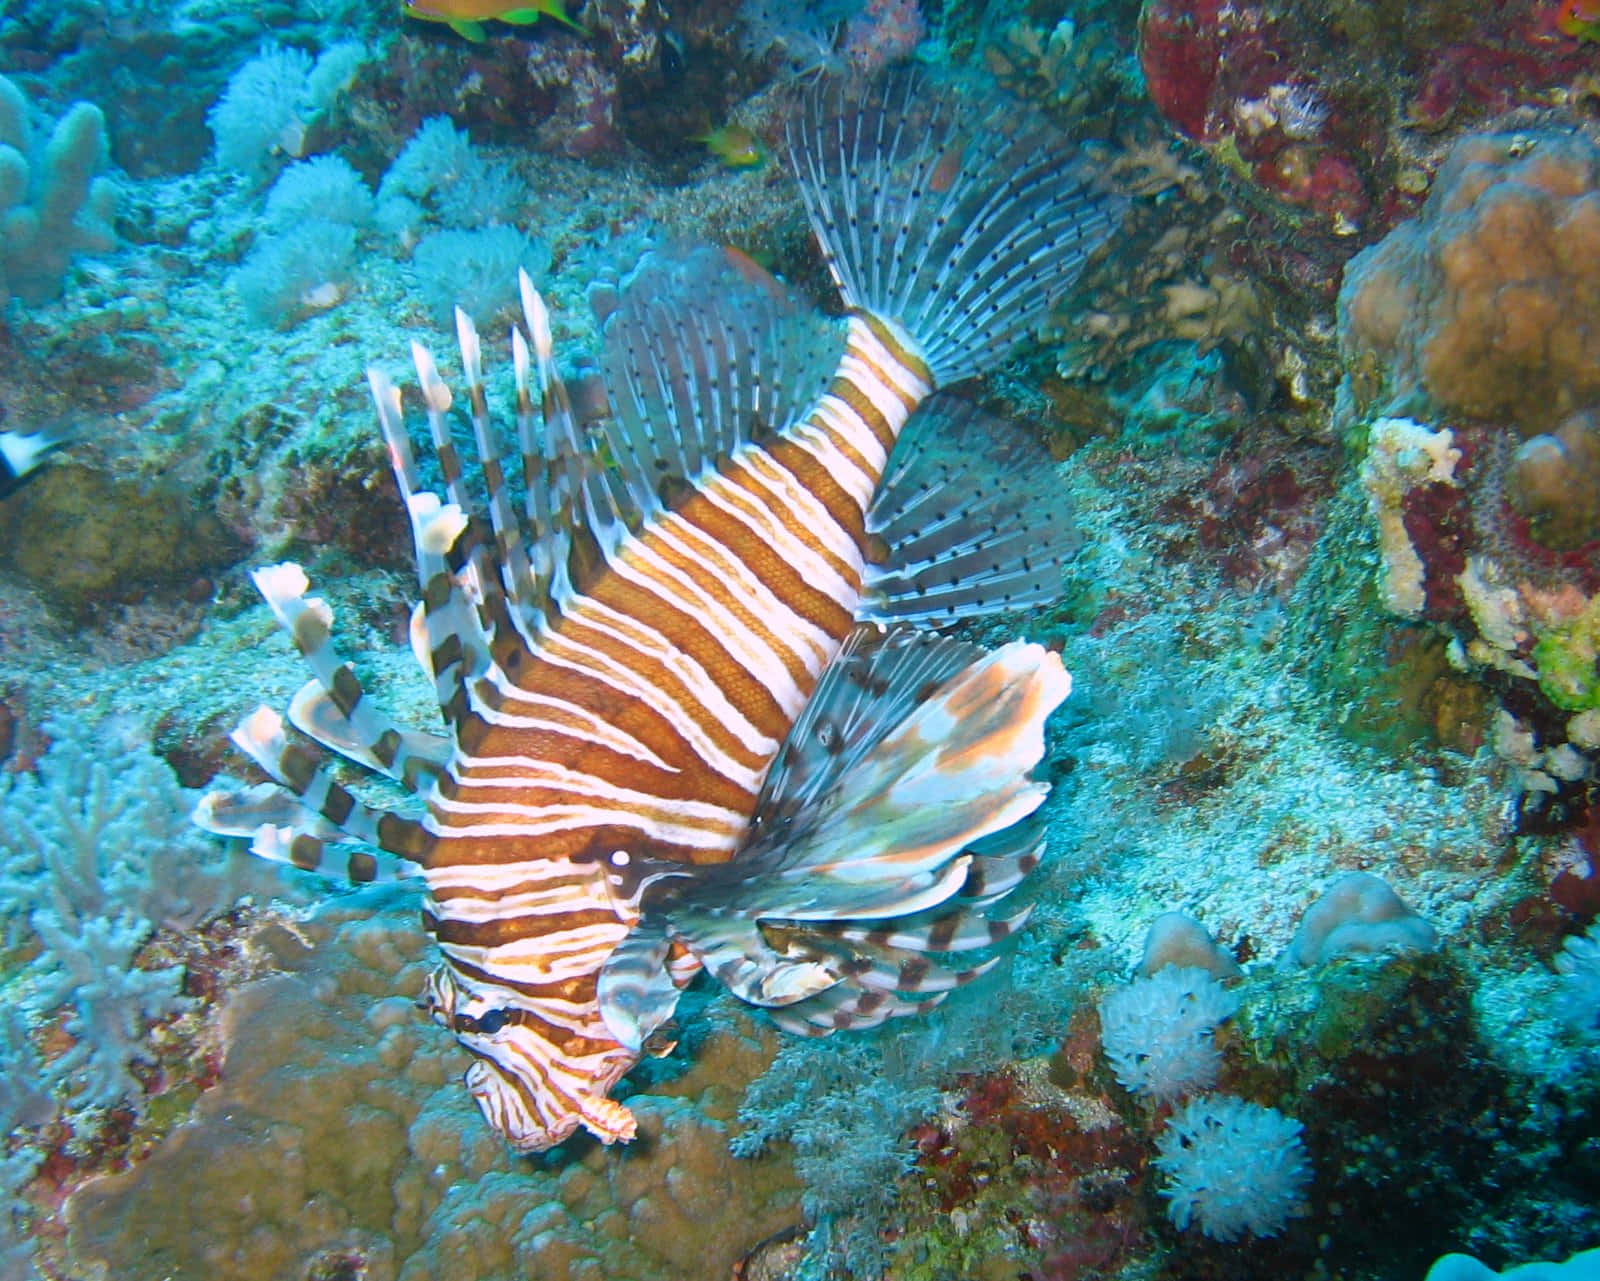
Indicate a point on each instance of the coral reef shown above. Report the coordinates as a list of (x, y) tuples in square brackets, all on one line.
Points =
[(1328, 107), (1358, 915), (334, 1135), (1461, 1267), (99, 855), (1315, 631), (106, 975), (86, 539), (1474, 320)]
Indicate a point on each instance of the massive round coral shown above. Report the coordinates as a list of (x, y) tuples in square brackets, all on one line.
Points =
[(1489, 301)]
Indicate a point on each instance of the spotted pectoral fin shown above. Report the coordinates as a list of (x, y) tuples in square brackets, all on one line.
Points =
[(243, 813), (304, 812), (735, 952), (879, 858), (972, 518), (847, 1006), (909, 754), (410, 757), (952, 771), (873, 683)]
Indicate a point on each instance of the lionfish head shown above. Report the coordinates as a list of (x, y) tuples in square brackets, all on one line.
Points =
[(529, 1090)]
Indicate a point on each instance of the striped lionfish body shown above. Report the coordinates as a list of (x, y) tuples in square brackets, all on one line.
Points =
[(694, 714)]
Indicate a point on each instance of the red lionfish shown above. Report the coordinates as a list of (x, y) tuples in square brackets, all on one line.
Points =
[(690, 721)]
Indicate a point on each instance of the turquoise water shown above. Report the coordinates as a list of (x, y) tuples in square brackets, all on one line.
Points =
[(1304, 463)]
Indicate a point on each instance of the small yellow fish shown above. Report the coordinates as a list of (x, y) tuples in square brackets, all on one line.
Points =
[(466, 17), (734, 145)]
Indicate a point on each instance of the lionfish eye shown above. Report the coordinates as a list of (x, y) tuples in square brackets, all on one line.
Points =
[(492, 1021)]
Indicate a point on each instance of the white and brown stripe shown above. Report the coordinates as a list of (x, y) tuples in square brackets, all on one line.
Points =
[(679, 605), (643, 719)]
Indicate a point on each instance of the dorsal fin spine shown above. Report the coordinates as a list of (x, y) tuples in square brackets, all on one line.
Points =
[(510, 563), (536, 501)]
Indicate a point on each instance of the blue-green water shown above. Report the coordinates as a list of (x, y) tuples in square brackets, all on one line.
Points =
[(1323, 413)]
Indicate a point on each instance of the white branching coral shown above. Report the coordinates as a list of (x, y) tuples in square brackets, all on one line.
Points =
[(1233, 1168), (1159, 1033), (96, 853)]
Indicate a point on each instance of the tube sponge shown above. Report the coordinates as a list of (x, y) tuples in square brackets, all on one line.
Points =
[(1490, 299), (52, 205)]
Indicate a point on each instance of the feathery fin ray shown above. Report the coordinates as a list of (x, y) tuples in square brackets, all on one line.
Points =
[(961, 220)]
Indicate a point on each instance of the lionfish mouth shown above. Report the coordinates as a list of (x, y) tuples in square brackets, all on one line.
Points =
[(511, 1109)]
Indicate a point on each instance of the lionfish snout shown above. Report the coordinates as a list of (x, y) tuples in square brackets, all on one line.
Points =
[(523, 1106), (505, 1107)]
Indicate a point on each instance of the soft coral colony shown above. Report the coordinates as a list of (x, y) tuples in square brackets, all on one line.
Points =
[(696, 714)]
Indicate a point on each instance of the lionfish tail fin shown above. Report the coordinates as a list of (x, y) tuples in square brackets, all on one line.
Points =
[(960, 220), (886, 844)]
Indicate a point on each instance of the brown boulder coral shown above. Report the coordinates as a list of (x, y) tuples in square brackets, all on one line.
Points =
[(1489, 301), (1472, 340)]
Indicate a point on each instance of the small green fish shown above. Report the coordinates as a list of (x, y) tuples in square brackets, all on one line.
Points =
[(466, 17), (734, 145)]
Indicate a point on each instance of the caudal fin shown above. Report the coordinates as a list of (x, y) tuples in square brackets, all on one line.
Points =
[(960, 220)]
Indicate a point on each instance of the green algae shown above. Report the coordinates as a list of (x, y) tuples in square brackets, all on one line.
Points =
[(1565, 657)]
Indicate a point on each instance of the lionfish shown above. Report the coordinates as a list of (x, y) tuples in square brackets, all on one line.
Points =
[(696, 712)]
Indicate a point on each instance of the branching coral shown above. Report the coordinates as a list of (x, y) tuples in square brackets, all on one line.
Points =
[(1235, 1168), (273, 99), (52, 205), (98, 852)]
